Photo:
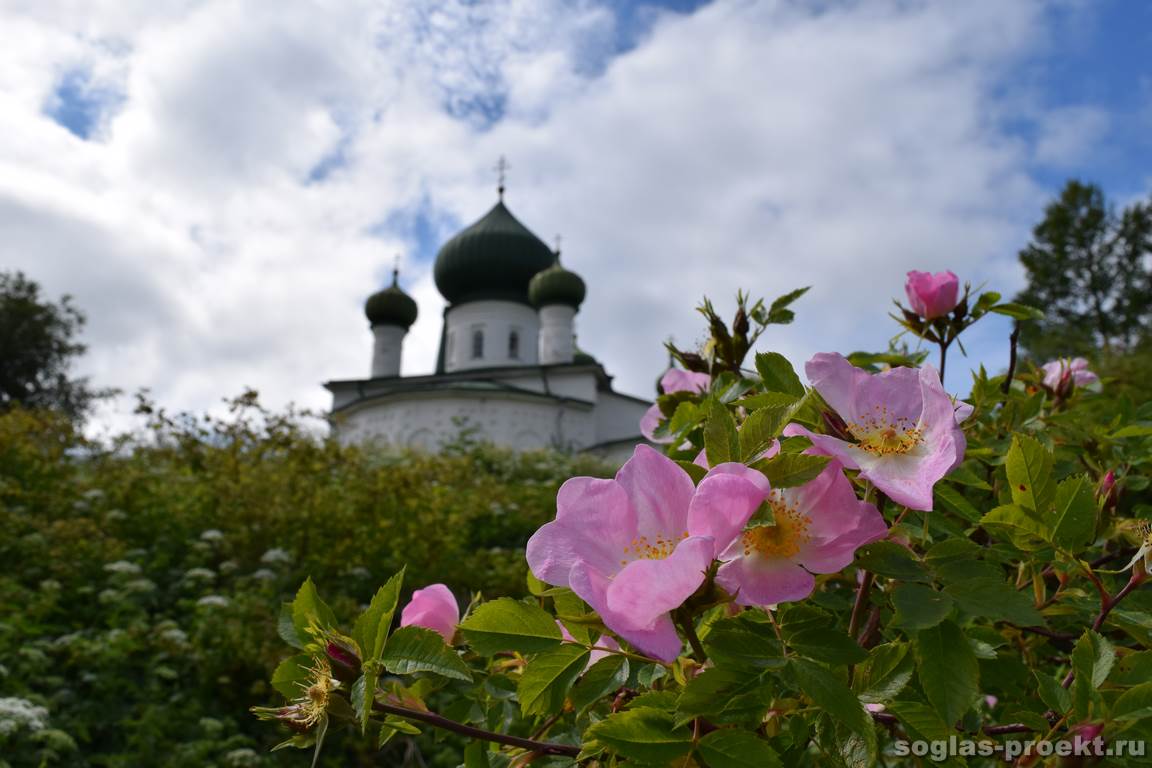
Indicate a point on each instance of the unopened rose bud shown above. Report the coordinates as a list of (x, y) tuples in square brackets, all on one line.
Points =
[(1108, 493), (836, 426), (932, 296), (345, 662)]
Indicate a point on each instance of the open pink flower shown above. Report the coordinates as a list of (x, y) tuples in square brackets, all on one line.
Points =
[(932, 295), (818, 528), (1064, 374), (674, 380), (433, 607), (904, 427), (637, 546)]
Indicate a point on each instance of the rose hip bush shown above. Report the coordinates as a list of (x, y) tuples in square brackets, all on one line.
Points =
[(804, 575)]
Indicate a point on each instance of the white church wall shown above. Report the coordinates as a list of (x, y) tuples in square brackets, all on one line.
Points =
[(388, 340), (428, 421), (618, 417), (496, 321), (557, 334)]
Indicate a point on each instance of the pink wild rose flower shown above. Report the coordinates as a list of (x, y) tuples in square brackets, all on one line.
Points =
[(1062, 375), (674, 380), (905, 428), (932, 295), (637, 546), (433, 607), (818, 528)]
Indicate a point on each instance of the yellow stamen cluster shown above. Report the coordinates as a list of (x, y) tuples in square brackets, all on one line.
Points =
[(885, 434), (312, 705), (783, 539), (643, 548)]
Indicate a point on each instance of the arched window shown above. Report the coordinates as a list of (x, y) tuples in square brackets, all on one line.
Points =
[(514, 345), (477, 344)]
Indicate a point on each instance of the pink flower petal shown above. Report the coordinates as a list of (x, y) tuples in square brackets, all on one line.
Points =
[(724, 502), (594, 522), (644, 589), (433, 607), (755, 580), (658, 639), (659, 492)]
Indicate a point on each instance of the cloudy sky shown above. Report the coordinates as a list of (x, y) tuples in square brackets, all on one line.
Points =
[(220, 184)]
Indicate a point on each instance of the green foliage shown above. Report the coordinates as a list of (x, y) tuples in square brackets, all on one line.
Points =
[(1088, 267), (140, 598)]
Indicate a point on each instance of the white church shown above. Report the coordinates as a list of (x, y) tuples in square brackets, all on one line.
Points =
[(508, 369)]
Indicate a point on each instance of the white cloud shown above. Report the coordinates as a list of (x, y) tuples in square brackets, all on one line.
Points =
[(749, 145)]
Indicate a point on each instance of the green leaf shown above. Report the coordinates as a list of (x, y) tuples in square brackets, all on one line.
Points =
[(767, 400), (833, 696), (311, 616), (415, 649), (919, 606), (885, 673), (1026, 531), (371, 629), (948, 670), (606, 676), (951, 500), (995, 599), (788, 470), (363, 696), (777, 374), (1092, 658), (922, 721), (286, 628), (887, 558), (645, 735), (1134, 704), (730, 748), (828, 645), (1029, 469), (740, 642), (762, 427), (726, 695), (1018, 311), (545, 681), (290, 675), (1075, 520), (721, 441), (1054, 696), (508, 625)]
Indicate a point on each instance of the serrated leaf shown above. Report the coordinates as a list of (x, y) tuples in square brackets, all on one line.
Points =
[(827, 645), (721, 440), (1052, 693), (777, 374), (371, 629), (788, 470), (725, 695), (833, 696), (1026, 531), (311, 616), (1029, 469), (918, 606), (286, 628), (1134, 704), (291, 673), (730, 748), (415, 649), (740, 642), (885, 673), (994, 599), (643, 734), (363, 696), (948, 670), (509, 625), (922, 721), (606, 676), (887, 558), (762, 427), (545, 681), (1075, 516), (951, 500), (1018, 311), (1092, 658)]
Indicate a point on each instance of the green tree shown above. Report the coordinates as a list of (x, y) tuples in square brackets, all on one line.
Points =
[(37, 347), (1089, 270)]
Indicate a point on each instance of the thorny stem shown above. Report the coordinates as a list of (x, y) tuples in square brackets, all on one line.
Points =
[(943, 358), (1013, 341), (1107, 603), (860, 604), (438, 721), (684, 621)]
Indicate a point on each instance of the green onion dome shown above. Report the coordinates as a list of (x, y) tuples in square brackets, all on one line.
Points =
[(391, 306), (556, 285), (495, 258), (583, 358)]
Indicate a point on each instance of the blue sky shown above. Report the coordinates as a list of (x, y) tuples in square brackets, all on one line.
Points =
[(221, 187)]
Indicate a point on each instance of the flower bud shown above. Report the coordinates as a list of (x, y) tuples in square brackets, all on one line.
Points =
[(932, 295)]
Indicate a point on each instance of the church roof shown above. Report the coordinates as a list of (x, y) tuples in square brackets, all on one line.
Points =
[(391, 306), (557, 285), (494, 258)]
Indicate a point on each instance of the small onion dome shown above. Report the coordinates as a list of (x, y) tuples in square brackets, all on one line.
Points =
[(391, 306), (556, 285), (583, 358), (495, 258)]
